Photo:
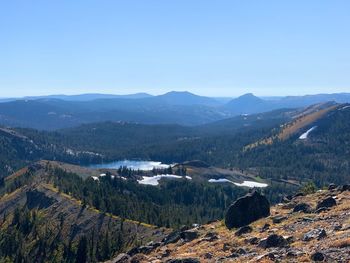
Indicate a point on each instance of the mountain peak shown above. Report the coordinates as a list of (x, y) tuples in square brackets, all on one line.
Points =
[(187, 98), (178, 93), (248, 96)]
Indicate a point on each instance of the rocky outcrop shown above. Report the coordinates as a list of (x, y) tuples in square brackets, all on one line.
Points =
[(246, 210), (282, 237)]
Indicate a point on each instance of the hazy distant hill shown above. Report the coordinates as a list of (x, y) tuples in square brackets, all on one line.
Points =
[(82, 97), (248, 103), (184, 108), (185, 98)]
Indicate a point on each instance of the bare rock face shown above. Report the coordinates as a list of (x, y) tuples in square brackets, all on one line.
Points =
[(246, 210)]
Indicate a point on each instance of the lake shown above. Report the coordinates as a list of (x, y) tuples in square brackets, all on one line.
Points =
[(134, 165)]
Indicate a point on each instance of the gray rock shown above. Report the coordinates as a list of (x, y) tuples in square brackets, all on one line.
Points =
[(253, 241), (338, 227), (210, 237), (273, 240), (173, 237), (226, 247), (345, 187), (189, 235), (243, 230), (317, 256), (246, 210), (315, 233), (332, 187), (265, 227), (183, 260), (208, 255), (302, 207), (328, 202)]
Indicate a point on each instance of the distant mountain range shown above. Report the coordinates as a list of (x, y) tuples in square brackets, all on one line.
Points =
[(185, 108), (82, 97)]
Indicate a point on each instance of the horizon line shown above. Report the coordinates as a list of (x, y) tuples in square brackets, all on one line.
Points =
[(171, 91)]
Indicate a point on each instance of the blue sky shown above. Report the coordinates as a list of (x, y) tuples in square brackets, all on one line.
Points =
[(215, 48)]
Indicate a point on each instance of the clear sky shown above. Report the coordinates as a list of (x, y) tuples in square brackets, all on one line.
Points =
[(216, 48)]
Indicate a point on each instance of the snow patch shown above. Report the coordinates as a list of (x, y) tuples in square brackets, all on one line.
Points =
[(252, 184), (345, 107), (154, 180), (249, 184), (221, 180), (305, 134)]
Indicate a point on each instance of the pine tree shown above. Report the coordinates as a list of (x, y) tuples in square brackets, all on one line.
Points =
[(82, 251)]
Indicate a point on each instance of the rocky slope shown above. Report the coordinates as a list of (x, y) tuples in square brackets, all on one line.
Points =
[(305, 228)]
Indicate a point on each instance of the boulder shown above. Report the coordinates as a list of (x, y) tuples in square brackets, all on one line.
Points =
[(332, 187), (317, 256), (189, 235), (302, 207), (246, 210), (210, 237), (265, 227), (237, 253), (345, 187), (273, 240), (253, 241), (328, 202), (287, 198), (183, 260), (208, 255), (243, 230), (318, 233), (173, 237)]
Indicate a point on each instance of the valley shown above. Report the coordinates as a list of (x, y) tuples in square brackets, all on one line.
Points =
[(134, 183)]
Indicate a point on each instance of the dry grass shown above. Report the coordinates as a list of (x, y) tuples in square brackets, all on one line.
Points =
[(341, 243), (289, 129), (16, 174)]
